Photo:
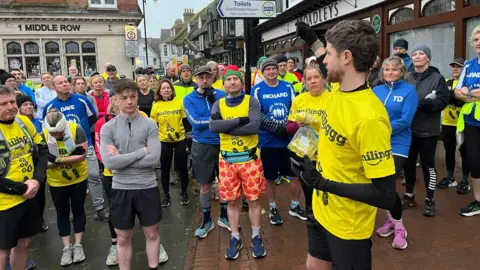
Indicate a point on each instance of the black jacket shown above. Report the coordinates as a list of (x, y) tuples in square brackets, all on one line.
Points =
[(427, 120)]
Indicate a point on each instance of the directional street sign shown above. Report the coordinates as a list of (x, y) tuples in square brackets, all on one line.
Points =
[(246, 9)]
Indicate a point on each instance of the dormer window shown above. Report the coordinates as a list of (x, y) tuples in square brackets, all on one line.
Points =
[(102, 3)]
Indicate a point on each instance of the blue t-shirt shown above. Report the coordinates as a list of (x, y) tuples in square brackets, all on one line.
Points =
[(275, 103), (27, 91), (77, 109), (470, 78)]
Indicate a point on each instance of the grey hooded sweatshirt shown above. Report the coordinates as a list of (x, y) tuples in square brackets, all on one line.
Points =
[(133, 168)]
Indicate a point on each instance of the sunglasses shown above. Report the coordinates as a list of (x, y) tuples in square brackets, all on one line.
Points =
[(111, 70)]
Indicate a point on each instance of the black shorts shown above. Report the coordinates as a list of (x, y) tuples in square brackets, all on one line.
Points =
[(21, 221), (205, 162), (472, 143), (143, 203), (276, 162), (344, 254)]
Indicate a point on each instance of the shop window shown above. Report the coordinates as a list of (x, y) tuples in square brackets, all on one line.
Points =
[(86, 61), (72, 47), (403, 14), (52, 48), (14, 48), (472, 2), (88, 47), (14, 56), (52, 58), (31, 48), (433, 7), (471, 23), (165, 50), (102, 3), (439, 38)]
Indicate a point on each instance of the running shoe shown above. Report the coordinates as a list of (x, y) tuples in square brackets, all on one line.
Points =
[(408, 201), (233, 249), (30, 264), (274, 216), (204, 229), (163, 257), (387, 229), (298, 212), (463, 187), (166, 201), (286, 178), (102, 215), (400, 239), (224, 223), (471, 209), (184, 199), (257, 246), (67, 256), (447, 182), (78, 254), (112, 258), (429, 210), (277, 181)]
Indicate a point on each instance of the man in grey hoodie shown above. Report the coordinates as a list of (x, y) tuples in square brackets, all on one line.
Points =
[(130, 147)]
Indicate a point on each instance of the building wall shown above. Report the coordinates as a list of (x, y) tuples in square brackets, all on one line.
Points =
[(141, 60), (123, 5)]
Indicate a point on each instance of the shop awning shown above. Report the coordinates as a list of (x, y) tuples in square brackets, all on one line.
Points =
[(303, 8)]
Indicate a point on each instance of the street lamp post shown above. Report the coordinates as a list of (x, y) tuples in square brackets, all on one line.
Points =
[(145, 28)]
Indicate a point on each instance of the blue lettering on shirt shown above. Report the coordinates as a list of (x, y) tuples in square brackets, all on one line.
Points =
[(470, 78)]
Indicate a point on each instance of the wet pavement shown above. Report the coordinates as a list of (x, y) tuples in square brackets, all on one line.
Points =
[(175, 232)]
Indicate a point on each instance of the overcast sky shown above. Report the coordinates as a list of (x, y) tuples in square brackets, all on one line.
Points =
[(164, 12)]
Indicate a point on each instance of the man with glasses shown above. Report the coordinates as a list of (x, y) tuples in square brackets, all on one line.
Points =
[(20, 89), (112, 77)]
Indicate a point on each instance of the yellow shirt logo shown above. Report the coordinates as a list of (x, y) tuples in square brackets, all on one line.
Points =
[(169, 115)]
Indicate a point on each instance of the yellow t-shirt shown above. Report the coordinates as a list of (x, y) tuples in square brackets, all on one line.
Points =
[(218, 84), (232, 143), (309, 105), (66, 174), (451, 112), (353, 147), (169, 115), (21, 160)]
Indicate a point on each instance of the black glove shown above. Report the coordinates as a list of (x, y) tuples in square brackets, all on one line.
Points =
[(282, 132), (216, 116), (305, 32), (51, 158), (244, 120), (307, 172), (78, 151)]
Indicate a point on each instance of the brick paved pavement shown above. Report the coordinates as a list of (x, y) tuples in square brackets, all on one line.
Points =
[(446, 241)]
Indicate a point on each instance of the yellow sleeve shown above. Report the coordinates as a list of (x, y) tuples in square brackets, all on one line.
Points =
[(37, 138), (293, 110), (153, 112), (373, 142)]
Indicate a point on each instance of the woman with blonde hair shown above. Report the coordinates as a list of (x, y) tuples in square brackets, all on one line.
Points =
[(217, 83), (44, 94), (100, 94)]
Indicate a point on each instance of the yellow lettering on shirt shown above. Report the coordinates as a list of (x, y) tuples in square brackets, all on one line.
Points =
[(451, 113), (169, 115)]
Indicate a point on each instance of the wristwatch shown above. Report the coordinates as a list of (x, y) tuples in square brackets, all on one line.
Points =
[(469, 92)]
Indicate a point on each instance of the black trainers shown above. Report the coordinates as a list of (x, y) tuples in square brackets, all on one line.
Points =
[(274, 216), (102, 214), (463, 187), (408, 201), (298, 212), (447, 182), (166, 201), (184, 199), (471, 209), (429, 210)]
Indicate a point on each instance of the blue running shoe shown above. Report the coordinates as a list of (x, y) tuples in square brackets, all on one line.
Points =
[(30, 264), (275, 218), (204, 229), (257, 246), (233, 249), (224, 223), (277, 181)]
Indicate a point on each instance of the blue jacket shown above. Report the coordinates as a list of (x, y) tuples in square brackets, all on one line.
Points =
[(401, 102), (198, 110), (38, 123), (27, 91)]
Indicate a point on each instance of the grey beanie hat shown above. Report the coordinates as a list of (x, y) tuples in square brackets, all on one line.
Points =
[(268, 63), (184, 66), (424, 48)]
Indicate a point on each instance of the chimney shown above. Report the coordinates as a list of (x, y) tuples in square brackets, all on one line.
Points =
[(188, 14)]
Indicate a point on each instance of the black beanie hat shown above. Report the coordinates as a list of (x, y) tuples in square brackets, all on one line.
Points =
[(22, 99), (4, 76)]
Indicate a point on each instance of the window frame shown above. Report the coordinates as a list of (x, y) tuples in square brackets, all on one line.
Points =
[(103, 4), (48, 55), (80, 55)]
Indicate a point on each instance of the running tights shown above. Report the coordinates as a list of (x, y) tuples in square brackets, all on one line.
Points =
[(449, 139), (396, 210), (177, 150), (107, 186)]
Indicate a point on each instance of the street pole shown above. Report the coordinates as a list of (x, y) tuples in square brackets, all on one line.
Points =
[(247, 30), (145, 30)]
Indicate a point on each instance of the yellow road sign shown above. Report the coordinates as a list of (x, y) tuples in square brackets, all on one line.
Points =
[(131, 32)]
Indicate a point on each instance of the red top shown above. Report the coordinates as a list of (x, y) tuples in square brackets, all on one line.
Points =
[(102, 103), (299, 76), (98, 126)]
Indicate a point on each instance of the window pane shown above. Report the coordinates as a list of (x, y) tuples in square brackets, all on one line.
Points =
[(88, 47), (89, 64), (438, 6), (15, 62), (33, 67), (402, 15), (31, 48), (439, 38), (473, 2), (110, 2), (14, 48), (54, 65), (96, 2), (74, 61), (471, 23), (72, 47), (52, 48)]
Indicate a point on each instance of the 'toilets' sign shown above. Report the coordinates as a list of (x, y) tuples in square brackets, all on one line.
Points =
[(246, 9)]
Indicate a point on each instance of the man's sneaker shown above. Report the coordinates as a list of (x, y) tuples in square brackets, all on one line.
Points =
[(257, 247), (447, 182), (174, 178), (463, 187), (78, 254), (387, 229), (408, 201), (163, 257), (400, 239), (204, 229), (275, 218), (277, 181), (471, 209), (67, 256), (224, 223), (44, 226), (286, 178), (102, 214), (298, 212), (429, 210), (184, 199), (112, 258), (233, 249), (166, 201)]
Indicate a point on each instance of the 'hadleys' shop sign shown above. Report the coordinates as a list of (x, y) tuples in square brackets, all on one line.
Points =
[(49, 27), (330, 12)]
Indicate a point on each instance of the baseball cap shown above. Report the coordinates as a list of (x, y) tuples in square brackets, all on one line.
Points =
[(203, 69), (111, 68), (458, 61)]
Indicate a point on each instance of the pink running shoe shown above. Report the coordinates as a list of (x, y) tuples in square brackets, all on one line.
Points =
[(400, 239), (387, 229)]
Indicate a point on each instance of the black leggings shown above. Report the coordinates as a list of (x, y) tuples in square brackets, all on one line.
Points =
[(107, 186), (472, 144), (41, 197), (449, 139), (426, 147), (396, 210), (180, 162), (70, 196)]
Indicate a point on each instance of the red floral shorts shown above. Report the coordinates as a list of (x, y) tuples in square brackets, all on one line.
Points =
[(237, 177)]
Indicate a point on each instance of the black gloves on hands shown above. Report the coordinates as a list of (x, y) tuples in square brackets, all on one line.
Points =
[(244, 120), (51, 158), (282, 132), (306, 171), (78, 151), (305, 32), (216, 116)]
